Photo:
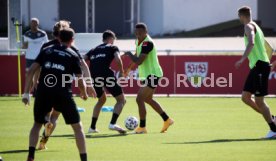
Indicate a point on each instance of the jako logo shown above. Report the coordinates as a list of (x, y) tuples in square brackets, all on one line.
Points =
[(58, 66), (49, 65)]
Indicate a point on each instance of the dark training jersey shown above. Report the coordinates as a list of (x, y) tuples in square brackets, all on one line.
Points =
[(56, 42), (56, 62), (147, 47), (100, 59), (49, 43)]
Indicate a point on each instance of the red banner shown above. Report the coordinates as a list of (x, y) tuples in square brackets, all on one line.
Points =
[(186, 74)]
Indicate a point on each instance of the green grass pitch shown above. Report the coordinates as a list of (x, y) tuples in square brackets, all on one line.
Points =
[(205, 129)]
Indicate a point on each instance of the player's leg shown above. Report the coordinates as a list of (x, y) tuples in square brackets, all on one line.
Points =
[(97, 109), (267, 116), (143, 93), (264, 109), (154, 104), (80, 140), (157, 107), (53, 119), (51, 124), (261, 91), (120, 102), (118, 94), (249, 89), (67, 106), (44, 137), (42, 106), (49, 128), (247, 99), (118, 107), (33, 139), (48, 125)]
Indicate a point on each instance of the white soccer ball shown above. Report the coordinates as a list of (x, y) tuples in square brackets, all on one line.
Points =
[(131, 122)]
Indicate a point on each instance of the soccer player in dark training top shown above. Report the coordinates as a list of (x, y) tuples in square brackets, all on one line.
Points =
[(53, 115), (257, 79), (58, 64), (103, 77)]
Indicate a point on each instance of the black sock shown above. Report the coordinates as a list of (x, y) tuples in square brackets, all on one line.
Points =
[(83, 157), (164, 116), (272, 126), (142, 123), (93, 123), (31, 152), (114, 118)]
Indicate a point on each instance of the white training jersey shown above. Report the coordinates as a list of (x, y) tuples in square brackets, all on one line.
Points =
[(35, 40)]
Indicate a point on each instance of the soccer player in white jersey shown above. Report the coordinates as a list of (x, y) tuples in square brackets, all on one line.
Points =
[(33, 39)]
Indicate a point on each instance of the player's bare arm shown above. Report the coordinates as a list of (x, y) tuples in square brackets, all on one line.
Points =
[(28, 82), (85, 69), (136, 59), (130, 66), (119, 63), (82, 86), (129, 69), (249, 31), (273, 64), (87, 76)]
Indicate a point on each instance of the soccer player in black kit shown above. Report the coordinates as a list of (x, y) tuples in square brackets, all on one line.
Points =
[(53, 115), (103, 77), (54, 90)]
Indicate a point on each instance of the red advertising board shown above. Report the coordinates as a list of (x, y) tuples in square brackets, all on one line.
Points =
[(212, 74)]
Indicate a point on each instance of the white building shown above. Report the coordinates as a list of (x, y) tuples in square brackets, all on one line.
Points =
[(170, 16), (161, 16)]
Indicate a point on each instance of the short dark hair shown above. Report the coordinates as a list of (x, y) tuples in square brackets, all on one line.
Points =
[(245, 11), (59, 26), (108, 34), (66, 34), (141, 26)]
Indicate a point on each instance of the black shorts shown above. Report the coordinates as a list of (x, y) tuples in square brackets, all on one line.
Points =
[(151, 81), (29, 62), (257, 80), (109, 82), (63, 103)]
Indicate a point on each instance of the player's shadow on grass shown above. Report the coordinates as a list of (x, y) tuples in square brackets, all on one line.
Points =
[(18, 151), (13, 151), (104, 136), (71, 136), (64, 136), (223, 141), (10, 99)]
